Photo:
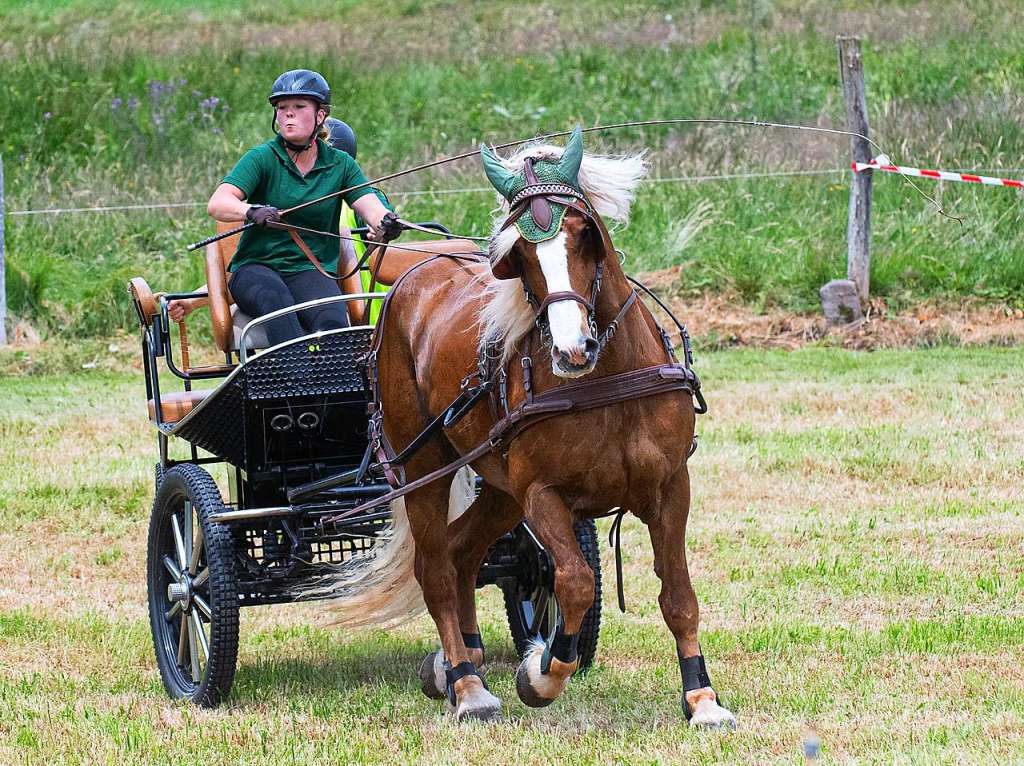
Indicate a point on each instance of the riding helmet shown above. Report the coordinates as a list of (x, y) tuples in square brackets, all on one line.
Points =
[(341, 136), (301, 83)]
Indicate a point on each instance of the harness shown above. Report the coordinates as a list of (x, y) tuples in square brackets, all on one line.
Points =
[(537, 407)]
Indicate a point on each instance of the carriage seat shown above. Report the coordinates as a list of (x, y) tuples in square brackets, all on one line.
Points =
[(228, 320), (175, 406)]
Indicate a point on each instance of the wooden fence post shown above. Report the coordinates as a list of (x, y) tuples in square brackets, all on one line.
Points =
[(3, 282), (843, 301)]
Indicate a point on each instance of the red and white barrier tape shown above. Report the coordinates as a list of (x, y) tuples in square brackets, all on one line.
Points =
[(882, 163)]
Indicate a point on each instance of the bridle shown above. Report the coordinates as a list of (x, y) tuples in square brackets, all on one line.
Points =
[(538, 197)]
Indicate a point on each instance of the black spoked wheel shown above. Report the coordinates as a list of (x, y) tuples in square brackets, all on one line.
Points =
[(193, 601), (530, 604)]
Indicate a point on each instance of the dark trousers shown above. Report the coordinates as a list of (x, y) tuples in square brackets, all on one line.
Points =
[(258, 290)]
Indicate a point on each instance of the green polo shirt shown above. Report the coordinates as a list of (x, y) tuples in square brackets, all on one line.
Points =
[(267, 176)]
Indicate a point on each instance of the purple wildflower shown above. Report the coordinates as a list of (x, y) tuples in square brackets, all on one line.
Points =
[(47, 115), (115, 103), (133, 103)]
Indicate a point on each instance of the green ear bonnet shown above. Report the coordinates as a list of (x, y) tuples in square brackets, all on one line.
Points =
[(565, 171)]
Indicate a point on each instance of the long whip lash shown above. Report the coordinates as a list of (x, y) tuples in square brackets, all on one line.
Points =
[(596, 128)]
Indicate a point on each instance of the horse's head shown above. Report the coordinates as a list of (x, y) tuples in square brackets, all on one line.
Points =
[(554, 241)]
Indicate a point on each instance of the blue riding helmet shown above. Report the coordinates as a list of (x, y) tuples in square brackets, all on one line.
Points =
[(341, 136), (303, 83)]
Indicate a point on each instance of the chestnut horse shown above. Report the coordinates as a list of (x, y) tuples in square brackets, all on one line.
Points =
[(545, 267)]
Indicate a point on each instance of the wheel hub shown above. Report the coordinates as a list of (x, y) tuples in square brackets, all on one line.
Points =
[(180, 590)]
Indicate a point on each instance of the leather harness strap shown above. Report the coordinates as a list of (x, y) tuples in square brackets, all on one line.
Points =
[(585, 395), (309, 254), (564, 295)]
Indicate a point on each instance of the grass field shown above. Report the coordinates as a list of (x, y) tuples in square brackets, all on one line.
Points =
[(856, 544), (150, 101)]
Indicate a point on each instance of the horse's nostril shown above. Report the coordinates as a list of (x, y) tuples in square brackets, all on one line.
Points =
[(590, 348)]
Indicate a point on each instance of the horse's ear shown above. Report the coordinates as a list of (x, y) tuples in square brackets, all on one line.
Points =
[(572, 156), (497, 173)]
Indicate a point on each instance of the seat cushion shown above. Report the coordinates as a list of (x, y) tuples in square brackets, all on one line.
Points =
[(177, 405), (257, 337)]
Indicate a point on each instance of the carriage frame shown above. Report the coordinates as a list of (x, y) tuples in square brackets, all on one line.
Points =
[(283, 421)]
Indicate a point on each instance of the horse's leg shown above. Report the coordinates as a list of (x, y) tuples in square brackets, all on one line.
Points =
[(678, 602), (547, 668), (428, 519), (470, 536)]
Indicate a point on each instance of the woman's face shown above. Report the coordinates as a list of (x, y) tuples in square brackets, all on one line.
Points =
[(296, 118)]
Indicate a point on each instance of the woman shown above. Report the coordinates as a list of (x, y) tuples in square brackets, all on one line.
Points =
[(269, 271)]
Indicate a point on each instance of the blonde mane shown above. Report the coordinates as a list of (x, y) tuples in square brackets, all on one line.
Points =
[(608, 181)]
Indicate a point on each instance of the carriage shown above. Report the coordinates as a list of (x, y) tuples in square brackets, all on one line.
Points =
[(286, 430)]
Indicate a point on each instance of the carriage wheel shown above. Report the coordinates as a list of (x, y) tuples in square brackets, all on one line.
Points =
[(531, 606), (193, 602)]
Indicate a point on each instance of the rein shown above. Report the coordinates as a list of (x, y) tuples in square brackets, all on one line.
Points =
[(371, 246)]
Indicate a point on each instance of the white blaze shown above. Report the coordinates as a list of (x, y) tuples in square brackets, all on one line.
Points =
[(563, 316)]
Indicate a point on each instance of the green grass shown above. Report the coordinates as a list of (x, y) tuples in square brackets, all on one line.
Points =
[(943, 80), (854, 542)]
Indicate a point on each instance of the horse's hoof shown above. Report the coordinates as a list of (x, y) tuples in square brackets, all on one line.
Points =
[(432, 679), (481, 706), (525, 688), (711, 715)]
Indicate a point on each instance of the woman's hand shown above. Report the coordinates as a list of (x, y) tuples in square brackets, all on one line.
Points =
[(388, 228), (261, 215), (178, 310), (181, 308)]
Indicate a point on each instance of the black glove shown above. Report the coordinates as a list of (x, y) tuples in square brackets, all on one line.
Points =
[(261, 214), (389, 227)]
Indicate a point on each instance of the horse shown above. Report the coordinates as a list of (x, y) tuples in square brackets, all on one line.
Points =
[(549, 312)]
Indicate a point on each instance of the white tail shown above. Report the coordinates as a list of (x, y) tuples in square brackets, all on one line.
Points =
[(380, 590)]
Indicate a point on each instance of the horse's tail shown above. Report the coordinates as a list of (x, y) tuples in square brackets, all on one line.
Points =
[(380, 588)]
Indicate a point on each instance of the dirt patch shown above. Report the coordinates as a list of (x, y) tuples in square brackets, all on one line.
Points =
[(719, 321), (716, 321)]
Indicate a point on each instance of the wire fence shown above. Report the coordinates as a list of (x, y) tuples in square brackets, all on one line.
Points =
[(435, 192), (485, 189)]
